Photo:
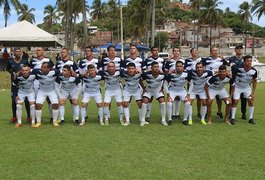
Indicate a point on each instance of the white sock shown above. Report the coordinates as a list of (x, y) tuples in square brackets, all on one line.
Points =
[(76, 112), (32, 113), (186, 111), (162, 107), (233, 112), (126, 113), (19, 113), (139, 113), (106, 113), (120, 110), (169, 111), (83, 114), (50, 110), (178, 103), (148, 109), (61, 112), (38, 115), (174, 108), (55, 114), (100, 113), (143, 112), (203, 112), (190, 115), (251, 111)]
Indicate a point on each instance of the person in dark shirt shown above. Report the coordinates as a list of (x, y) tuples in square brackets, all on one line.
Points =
[(14, 67)]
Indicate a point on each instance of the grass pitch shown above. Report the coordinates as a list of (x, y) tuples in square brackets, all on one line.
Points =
[(214, 151)]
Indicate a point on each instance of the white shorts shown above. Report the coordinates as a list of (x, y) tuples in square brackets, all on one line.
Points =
[(69, 95), (127, 95), (181, 94), (246, 93), (157, 95), (117, 94), (222, 93), (202, 95), (87, 96), (41, 96), (23, 95), (36, 85)]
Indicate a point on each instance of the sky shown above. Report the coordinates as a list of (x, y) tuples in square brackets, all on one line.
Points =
[(40, 4)]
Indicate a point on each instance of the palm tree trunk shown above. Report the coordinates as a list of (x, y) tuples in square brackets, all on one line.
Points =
[(210, 37), (85, 23)]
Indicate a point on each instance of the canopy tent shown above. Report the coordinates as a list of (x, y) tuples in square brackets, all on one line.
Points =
[(25, 34)]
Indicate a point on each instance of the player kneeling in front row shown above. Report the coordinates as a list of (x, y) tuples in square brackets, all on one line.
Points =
[(177, 81), (154, 87), (46, 77), (91, 89), (243, 76), (215, 86), (68, 87), (25, 83), (131, 89)]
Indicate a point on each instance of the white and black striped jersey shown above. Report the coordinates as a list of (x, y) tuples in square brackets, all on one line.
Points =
[(170, 65), (91, 84), (46, 82), (153, 84), (137, 61), (216, 83), (25, 84), (190, 64), (148, 61), (177, 82), (60, 64), (212, 64), (84, 62), (112, 82), (198, 82), (67, 84), (36, 63), (131, 82), (243, 78), (105, 61)]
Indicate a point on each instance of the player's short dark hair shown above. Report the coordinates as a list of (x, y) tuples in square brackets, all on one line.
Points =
[(45, 63), (179, 62), (130, 64), (154, 63), (133, 45), (17, 48), (111, 46), (199, 63), (64, 48), (25, 65), (222, 67), (176, 48), (192, 49), (90, 66), (111, 63), (67, 67), (247, 57), (152, 48), (89, 47)]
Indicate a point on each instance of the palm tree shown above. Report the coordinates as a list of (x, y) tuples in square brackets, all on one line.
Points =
[(51, 15), (26, 14), (196, 4), (7, 3), (98, 10), (211, 14), (244, 11), (258, 8)]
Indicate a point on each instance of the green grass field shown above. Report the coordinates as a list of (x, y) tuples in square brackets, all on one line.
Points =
[(214, 151)]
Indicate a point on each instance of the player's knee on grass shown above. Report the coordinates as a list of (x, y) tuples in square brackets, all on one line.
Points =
[(38, 106), (250, 102), (99, 105), (75, 102), (55, 106), (227, 101), (119, 103), (161, 99), (145, 100), (125, 104), (84, 105), (62, 102), (203, 101)]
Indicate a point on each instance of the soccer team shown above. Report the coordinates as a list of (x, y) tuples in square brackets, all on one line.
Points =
[(170, 82)]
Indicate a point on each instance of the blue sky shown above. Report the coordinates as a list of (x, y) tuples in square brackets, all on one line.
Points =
[(40, 4)]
